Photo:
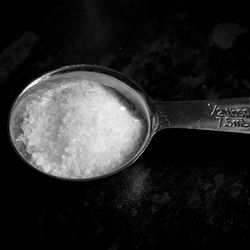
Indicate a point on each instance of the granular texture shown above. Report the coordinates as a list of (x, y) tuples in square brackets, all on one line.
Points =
[(79, 129)]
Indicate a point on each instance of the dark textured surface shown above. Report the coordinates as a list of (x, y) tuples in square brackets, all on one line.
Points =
[(189, 189)]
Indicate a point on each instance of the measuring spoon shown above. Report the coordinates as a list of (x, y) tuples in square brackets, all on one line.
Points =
[(227, 115)]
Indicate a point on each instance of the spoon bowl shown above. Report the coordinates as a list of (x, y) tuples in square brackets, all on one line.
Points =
[(126, 89)]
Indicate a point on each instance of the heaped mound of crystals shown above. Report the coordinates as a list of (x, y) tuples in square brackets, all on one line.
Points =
[(78, 130)]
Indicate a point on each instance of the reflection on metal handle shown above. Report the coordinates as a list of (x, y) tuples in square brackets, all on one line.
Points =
[(231, 115)]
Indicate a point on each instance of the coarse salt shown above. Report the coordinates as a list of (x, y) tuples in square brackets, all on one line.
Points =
[(79, 129)]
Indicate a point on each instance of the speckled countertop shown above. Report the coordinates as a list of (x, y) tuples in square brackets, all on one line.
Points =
[(189, 189)]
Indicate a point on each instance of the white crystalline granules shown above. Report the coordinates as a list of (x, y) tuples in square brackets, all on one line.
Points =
[(79, 130)]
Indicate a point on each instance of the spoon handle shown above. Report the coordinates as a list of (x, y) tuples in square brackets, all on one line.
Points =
[(232, 115)]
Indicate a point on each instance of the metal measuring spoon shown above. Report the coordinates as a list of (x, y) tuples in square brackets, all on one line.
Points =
[(230, 115)]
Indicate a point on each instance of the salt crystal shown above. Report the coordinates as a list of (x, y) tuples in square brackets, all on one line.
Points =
[(79, 129)]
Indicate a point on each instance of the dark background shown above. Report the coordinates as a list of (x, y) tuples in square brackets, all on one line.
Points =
[(189, 189)]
